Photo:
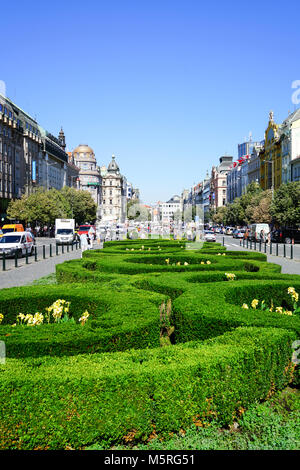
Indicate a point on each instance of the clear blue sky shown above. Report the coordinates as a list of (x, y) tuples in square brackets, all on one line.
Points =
[(168, 86)]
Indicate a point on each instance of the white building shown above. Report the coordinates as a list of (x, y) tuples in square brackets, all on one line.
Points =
[(169, 208)]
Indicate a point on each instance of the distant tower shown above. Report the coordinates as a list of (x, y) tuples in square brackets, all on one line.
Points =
[(62, 139)]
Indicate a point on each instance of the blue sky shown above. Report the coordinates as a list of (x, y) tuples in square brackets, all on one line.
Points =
[(167, 86)]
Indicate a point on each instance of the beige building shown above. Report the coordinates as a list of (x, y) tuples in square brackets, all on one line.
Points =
[(113, 208), (89, 172)]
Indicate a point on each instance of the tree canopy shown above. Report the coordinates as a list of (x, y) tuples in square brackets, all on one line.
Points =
[(45, 206)]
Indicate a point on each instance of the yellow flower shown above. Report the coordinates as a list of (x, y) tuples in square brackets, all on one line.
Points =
[(202, 262), (167, 260), (1, 317), (254, 303), (84, 317), (208, 262), (288, 312), (278, 309), (186, 264), (245, 306)]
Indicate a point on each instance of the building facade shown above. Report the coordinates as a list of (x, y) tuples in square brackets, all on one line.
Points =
[(218, 183), (20, 142), (271, 157), (114, 194), (90, 179)]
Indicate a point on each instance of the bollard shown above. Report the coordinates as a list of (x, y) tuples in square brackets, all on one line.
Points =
[(265, 247), (26, 256), (255, 245), (259, 245), (35, 253), (72, 246), (76, 244), (3, 262), (56, 249), (44, 252), (270, 247), (223, 242), (16, 259), (250, 244), (292, 252), (68, 247), (247, 243), (62, 248), (50, 250), (276, 249), (284, 250)]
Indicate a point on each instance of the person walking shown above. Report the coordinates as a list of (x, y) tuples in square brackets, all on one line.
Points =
[(83, 242), (91, 236)]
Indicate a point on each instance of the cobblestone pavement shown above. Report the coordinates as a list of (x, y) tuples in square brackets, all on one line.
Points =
[(288, 266), (27, 273)]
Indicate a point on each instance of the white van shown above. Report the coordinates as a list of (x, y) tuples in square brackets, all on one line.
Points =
[(65, 231), (16, 243), (255, 230)]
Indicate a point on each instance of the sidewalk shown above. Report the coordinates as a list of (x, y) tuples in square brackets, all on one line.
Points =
[(28, 273)]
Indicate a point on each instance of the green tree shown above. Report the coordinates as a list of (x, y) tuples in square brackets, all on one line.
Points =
[(82, 207), (45, 206), (285, 207)]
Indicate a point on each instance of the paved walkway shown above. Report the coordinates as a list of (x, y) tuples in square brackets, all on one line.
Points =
[(28, 273)]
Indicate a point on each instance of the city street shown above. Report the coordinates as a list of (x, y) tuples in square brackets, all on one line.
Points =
[(289, 265), (27, 273)]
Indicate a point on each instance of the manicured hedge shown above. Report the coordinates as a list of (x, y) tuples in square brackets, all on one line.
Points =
[(208, 310), (58, 403), (67, 385), (120, 318)]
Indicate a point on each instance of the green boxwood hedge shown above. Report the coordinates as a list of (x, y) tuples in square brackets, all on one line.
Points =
[(55, 403), (119, 319), (67, 385)]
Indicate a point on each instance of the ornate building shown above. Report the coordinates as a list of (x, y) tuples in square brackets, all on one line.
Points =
[(270, 157), (114, 186), (89, 173)]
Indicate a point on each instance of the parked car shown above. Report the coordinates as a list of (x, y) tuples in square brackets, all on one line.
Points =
[(12, 243), (240, 233), (209, 236), (286, 235), (234, 233), (84, 229)]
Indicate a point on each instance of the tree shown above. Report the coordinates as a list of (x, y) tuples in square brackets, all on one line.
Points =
[(261, 212), (220, 215), (45, 206), (285, 207), (81, 203)]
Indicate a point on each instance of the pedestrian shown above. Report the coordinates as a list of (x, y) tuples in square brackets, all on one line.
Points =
[(91, 236), (83, 242), (262, 236)]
